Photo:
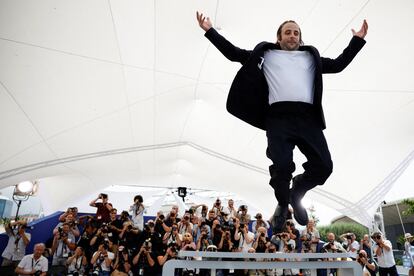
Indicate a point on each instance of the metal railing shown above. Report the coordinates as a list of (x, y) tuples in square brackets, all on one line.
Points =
[(311, 261)]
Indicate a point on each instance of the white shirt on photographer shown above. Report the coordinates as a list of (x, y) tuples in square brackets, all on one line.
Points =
[(28, 263), (13, 252), (104, 267), (387, 257)]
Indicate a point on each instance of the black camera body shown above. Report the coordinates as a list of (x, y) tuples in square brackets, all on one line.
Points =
[(173, 246)]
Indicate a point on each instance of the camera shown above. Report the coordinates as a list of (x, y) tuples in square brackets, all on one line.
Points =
[(62, 233), (262, 234), (361, 255), (37, 273), (242, 225), (147, 244), (173, 246), (104, 228), (161, 217), (289, 247)]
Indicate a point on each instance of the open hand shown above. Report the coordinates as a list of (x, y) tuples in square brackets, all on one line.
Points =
[(363, 31), (204, 22)]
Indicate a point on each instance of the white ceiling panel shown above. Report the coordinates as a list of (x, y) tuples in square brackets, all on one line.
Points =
[(88, 80)]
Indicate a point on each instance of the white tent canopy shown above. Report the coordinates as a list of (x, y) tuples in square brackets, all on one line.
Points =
[(99, 93)]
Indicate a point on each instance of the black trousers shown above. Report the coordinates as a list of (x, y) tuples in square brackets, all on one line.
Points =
[(385, 271), (290, 125)]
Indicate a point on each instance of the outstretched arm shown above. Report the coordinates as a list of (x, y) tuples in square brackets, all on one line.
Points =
[(342, 61), (230, 51)]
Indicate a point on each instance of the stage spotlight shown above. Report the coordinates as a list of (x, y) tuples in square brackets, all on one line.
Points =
[(24, 188), (22, 192)]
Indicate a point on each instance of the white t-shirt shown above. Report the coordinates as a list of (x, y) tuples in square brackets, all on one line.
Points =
[(13, 252), (387, 257), (137, 214), (289, 75), (354, 245), (28, 263), (103, 264), (243, 243)]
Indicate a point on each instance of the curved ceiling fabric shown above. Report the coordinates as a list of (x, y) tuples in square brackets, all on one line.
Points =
[(100, 93)]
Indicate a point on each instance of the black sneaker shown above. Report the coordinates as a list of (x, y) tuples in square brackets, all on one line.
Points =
[(299, 212), (279, 218)]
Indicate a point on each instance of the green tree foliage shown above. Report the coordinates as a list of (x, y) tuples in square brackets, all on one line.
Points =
[(340, 228), (410, 207)]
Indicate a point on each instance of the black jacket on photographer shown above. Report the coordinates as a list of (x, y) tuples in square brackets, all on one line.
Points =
[(155, 238), (142, 267), (113, 234)]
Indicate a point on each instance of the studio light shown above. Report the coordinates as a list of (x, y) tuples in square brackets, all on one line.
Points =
[(24, 188), (22, 192)]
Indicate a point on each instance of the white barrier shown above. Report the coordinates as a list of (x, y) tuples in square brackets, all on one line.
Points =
[(346, 267)]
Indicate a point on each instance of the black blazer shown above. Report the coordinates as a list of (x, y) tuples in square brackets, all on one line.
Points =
[(248, 97)]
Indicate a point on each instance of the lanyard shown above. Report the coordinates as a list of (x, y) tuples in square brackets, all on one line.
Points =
[(34, 264)]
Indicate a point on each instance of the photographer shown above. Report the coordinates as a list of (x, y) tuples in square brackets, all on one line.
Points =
[(101, 236), (259, 222), (86, 238), (368, 266), (129, 236), (242, 215), (70, 211), (211, 216), (73, 225), (34, 264), (203, 240), (62, 247), (159, 223), (144, 261), (365, 245), (170, 220), (230, 209), (123, 262), (310, 237), (216, 232), (137, 212), (104, 208), (332, 246), (383, 249), (260, 243), (294, 234), (149, 233), (77, 263), (243, 236), (352, 246), (16, 245), (217, 208), (185, 226), (226, 244), (200, 213), (408, 247), (188, 244), (102, 260), (114, 227), (169, 254), (172, 236)]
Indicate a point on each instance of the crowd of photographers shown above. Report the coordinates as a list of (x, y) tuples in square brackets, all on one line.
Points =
[(111, 244)]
